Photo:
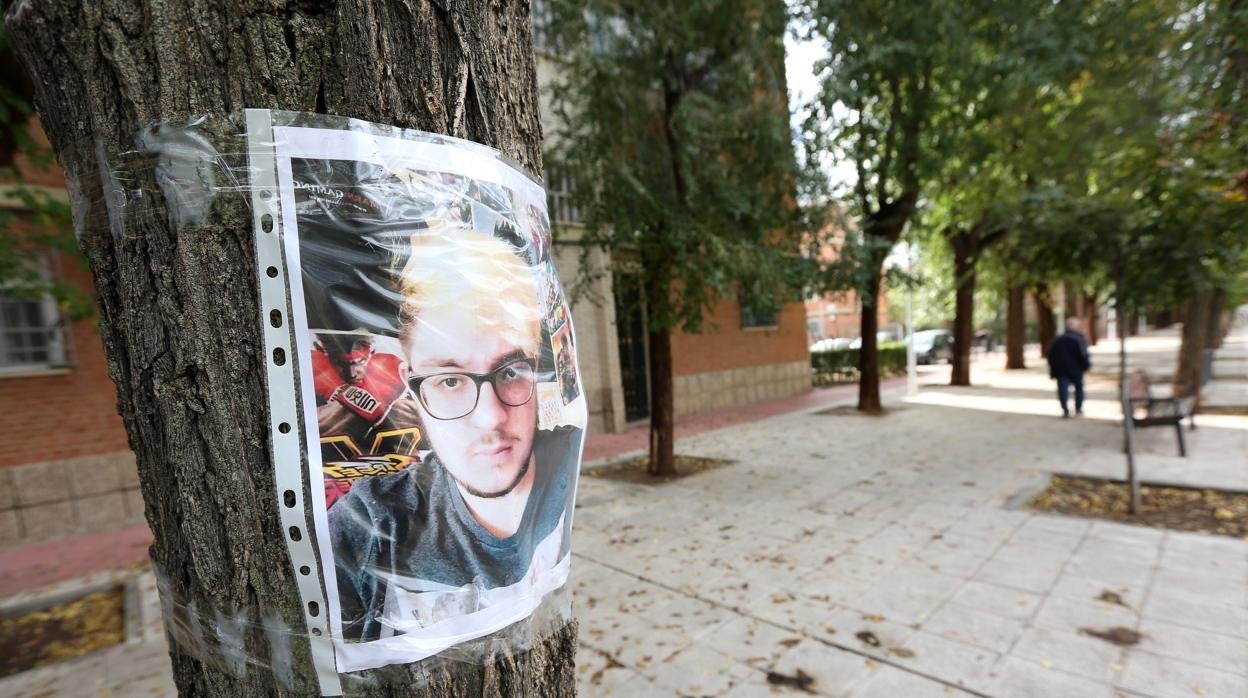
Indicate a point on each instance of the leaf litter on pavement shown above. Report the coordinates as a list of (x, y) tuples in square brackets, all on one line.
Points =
[(1210, 511), (63, 631)]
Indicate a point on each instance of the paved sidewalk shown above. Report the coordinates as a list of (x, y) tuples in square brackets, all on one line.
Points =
[(881, 556)]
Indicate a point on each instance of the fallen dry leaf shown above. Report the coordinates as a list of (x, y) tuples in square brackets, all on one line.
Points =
[(868, 637), (1123, 637), (800, 680)]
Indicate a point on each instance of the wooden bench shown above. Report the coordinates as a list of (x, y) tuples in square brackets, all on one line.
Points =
[(1148, 410)]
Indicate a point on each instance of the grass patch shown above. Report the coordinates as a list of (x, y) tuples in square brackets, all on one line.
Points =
[(1211, 511), (66, 630), (634, 470)]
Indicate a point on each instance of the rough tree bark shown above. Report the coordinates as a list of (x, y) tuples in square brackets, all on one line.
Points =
[(1046, 321), (178, 310), (1187, 374), (884, 228), (662, 405), (964, 251), (1216, 324), (869, 352), (1015, 328)]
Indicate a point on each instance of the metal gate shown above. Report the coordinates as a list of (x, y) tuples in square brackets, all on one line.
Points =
[(630, 325)]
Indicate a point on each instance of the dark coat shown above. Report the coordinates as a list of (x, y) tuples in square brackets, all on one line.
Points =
[(1068, 355)]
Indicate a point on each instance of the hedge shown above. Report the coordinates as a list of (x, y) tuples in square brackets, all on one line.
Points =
[(841, 365)]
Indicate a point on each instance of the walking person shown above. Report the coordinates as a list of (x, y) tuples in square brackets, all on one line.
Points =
[(1068, 360)]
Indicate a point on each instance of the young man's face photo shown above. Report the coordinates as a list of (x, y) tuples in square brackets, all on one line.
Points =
[(484, 437)]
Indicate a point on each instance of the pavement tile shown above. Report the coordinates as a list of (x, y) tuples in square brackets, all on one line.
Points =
[(1031, 555), (749, 641), (987, 630), (1069, 615), (790, 608), (698, 671), (1111, 570), (1085, 589), (1195, 646), (1031, 535), (1202, 544), (888, 682), (1209, 587), (896, 603), (1070, 653), (1003, 601), (1019, 678), (865, 632), (1019, 575), (954, 563), (1234, 566), (1128, 534), (1165, 677), (1196, 613), (836, 673), (945, 659), (1056, 524)]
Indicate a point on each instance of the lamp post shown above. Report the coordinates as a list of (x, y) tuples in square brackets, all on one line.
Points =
[(912, 372)]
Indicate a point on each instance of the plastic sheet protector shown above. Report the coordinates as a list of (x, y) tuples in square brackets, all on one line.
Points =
[(433, 367)]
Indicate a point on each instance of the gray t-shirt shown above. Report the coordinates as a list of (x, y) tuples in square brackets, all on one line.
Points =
[(414, 526)]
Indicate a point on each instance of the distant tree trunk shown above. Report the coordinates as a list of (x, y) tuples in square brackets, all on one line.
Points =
[(1216, 323), (1015, 328), (1070, 300), (868, 354), (662, 405), (963, 244), (1046, 322), (179, 314), (1133, 324), (1187, 374), (1092, 319), (1165, 318)]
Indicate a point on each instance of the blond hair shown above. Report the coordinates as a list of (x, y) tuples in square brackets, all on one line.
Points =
[(466, 271)]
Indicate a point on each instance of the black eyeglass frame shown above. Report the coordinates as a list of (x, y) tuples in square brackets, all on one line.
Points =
[(415, 382)]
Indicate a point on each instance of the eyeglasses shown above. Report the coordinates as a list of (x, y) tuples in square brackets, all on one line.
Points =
[(454, 395)]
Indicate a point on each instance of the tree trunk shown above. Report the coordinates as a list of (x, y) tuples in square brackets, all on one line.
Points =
[(964, 306), (1046, 321), (662, 405), (179, 314), (869, 354), (1070, 300), (1216, 324), (1128, 430), (1093, 313), (1192, 347), (1015, 328)]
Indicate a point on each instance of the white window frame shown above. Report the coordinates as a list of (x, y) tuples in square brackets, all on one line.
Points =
[(53, 324)]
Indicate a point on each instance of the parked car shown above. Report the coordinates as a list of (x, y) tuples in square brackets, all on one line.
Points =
[(880, 338), (829, 344), (931, 346)]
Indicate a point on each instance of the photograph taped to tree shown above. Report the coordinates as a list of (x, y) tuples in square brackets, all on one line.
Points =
[(435, 386)]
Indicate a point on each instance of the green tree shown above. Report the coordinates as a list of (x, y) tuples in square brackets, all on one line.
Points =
[(894, 87), (673, 119)]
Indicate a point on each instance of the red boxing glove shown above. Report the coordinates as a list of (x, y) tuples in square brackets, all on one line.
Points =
[(325, 377), (382, 384)]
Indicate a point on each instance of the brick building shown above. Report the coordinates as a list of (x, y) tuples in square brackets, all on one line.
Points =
[(65, 465)]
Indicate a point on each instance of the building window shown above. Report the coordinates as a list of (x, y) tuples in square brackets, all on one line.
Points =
[(31, 332), (755, 318), (560, 185)]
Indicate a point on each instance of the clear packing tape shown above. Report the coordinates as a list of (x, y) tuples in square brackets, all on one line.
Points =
[(426, 411)]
